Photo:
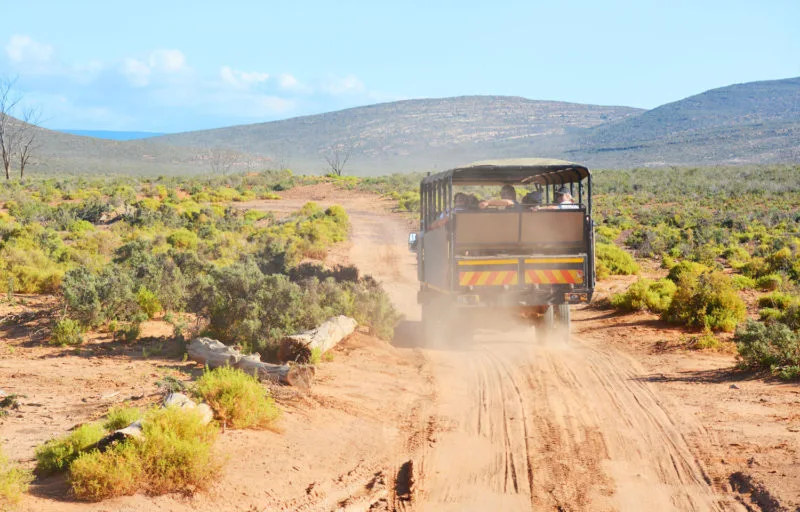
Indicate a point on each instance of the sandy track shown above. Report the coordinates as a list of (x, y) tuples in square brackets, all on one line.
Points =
[(511, 425)]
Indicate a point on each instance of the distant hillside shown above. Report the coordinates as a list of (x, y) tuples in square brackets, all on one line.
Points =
[(744, 123), (112, 134), (66, 153), (412, 134), (752, 123)]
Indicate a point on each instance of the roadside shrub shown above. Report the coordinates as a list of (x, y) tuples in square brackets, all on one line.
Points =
[(708, 300), (741, 282), (57, 454), (706, 341), (148, 302), (96, 476), (611, 260), (238, 399), (14, 482), (67, 332), (769, 282), (686, 267), (96, 298), (777, 300), (183, 239), (771, 346), (770, 314), (654, 296), (121, 417), (176, 450)]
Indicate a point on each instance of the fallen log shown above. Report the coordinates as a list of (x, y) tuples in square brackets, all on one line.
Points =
[(300, 347), (214, 354)]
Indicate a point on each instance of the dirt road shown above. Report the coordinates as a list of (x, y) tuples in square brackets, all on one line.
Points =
[(512, 425)]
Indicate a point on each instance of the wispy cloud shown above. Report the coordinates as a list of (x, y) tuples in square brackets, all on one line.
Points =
[(242, 79), (159, 90), (349, 84), (22, 48)]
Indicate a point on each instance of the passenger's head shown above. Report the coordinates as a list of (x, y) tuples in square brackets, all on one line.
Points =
[(508, 192), (532, 198), (460, 200), (563, 195)]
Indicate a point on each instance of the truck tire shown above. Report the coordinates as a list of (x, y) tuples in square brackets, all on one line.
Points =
[(545, 326), (563, 321)]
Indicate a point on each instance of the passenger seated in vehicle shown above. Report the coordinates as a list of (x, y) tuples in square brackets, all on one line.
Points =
[(532, 200), (508, 199), (564, 200)]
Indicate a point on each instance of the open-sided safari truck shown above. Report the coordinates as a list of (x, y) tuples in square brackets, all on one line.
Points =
[(531, 260)]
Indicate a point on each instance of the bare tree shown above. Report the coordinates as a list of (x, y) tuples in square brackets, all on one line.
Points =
[(27, 142), (9, 127), (221, 160), (337, 158)]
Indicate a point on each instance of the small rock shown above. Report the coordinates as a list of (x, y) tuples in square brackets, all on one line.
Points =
[(734, 386)]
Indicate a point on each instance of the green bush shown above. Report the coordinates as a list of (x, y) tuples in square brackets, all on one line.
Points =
[(654, 296), (183, 239), (14, 482), (769, 282), (741, 282), (777, 300), (686, 267), (770, 314), (708, 300), (148, 302), (97, 298), (772, 346), (177, 450), (120, 417), (611, 260), (238, 399), (58, 454), (67, 332), (95, 476)]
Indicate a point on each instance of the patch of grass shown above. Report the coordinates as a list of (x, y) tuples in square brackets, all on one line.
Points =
[(706, 341), (238, 399), (654, 296), (612, 260), (176, 451), (169, 384), (67, 332), (96, 476), (13, 482), (121, 417), (769, 346), (57, 454), (769, 282)]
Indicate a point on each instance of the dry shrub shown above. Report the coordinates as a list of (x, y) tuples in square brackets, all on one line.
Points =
[(13, 482), (58, 454), (238, 399), (121, 417), (96, 476), (176, 451)]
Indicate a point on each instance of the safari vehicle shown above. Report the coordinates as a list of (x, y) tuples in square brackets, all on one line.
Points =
[(533, 261)]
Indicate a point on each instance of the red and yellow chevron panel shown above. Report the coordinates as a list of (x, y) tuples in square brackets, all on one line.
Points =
[(488, 278), (553, 276)]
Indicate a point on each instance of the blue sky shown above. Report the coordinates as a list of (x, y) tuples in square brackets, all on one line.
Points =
[(175, 65)]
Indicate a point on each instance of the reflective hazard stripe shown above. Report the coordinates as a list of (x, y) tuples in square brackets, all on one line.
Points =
[(553, 276), (488, 278)]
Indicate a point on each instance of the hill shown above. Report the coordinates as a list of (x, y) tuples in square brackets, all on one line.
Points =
[(411, 134), (751, 123), (112, 134), (757, 122)]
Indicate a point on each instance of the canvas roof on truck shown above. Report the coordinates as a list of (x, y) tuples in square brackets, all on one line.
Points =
[(542, 171)]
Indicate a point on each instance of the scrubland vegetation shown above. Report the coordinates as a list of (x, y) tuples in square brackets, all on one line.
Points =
[(119, 252), (14, 482), (174, 453)]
